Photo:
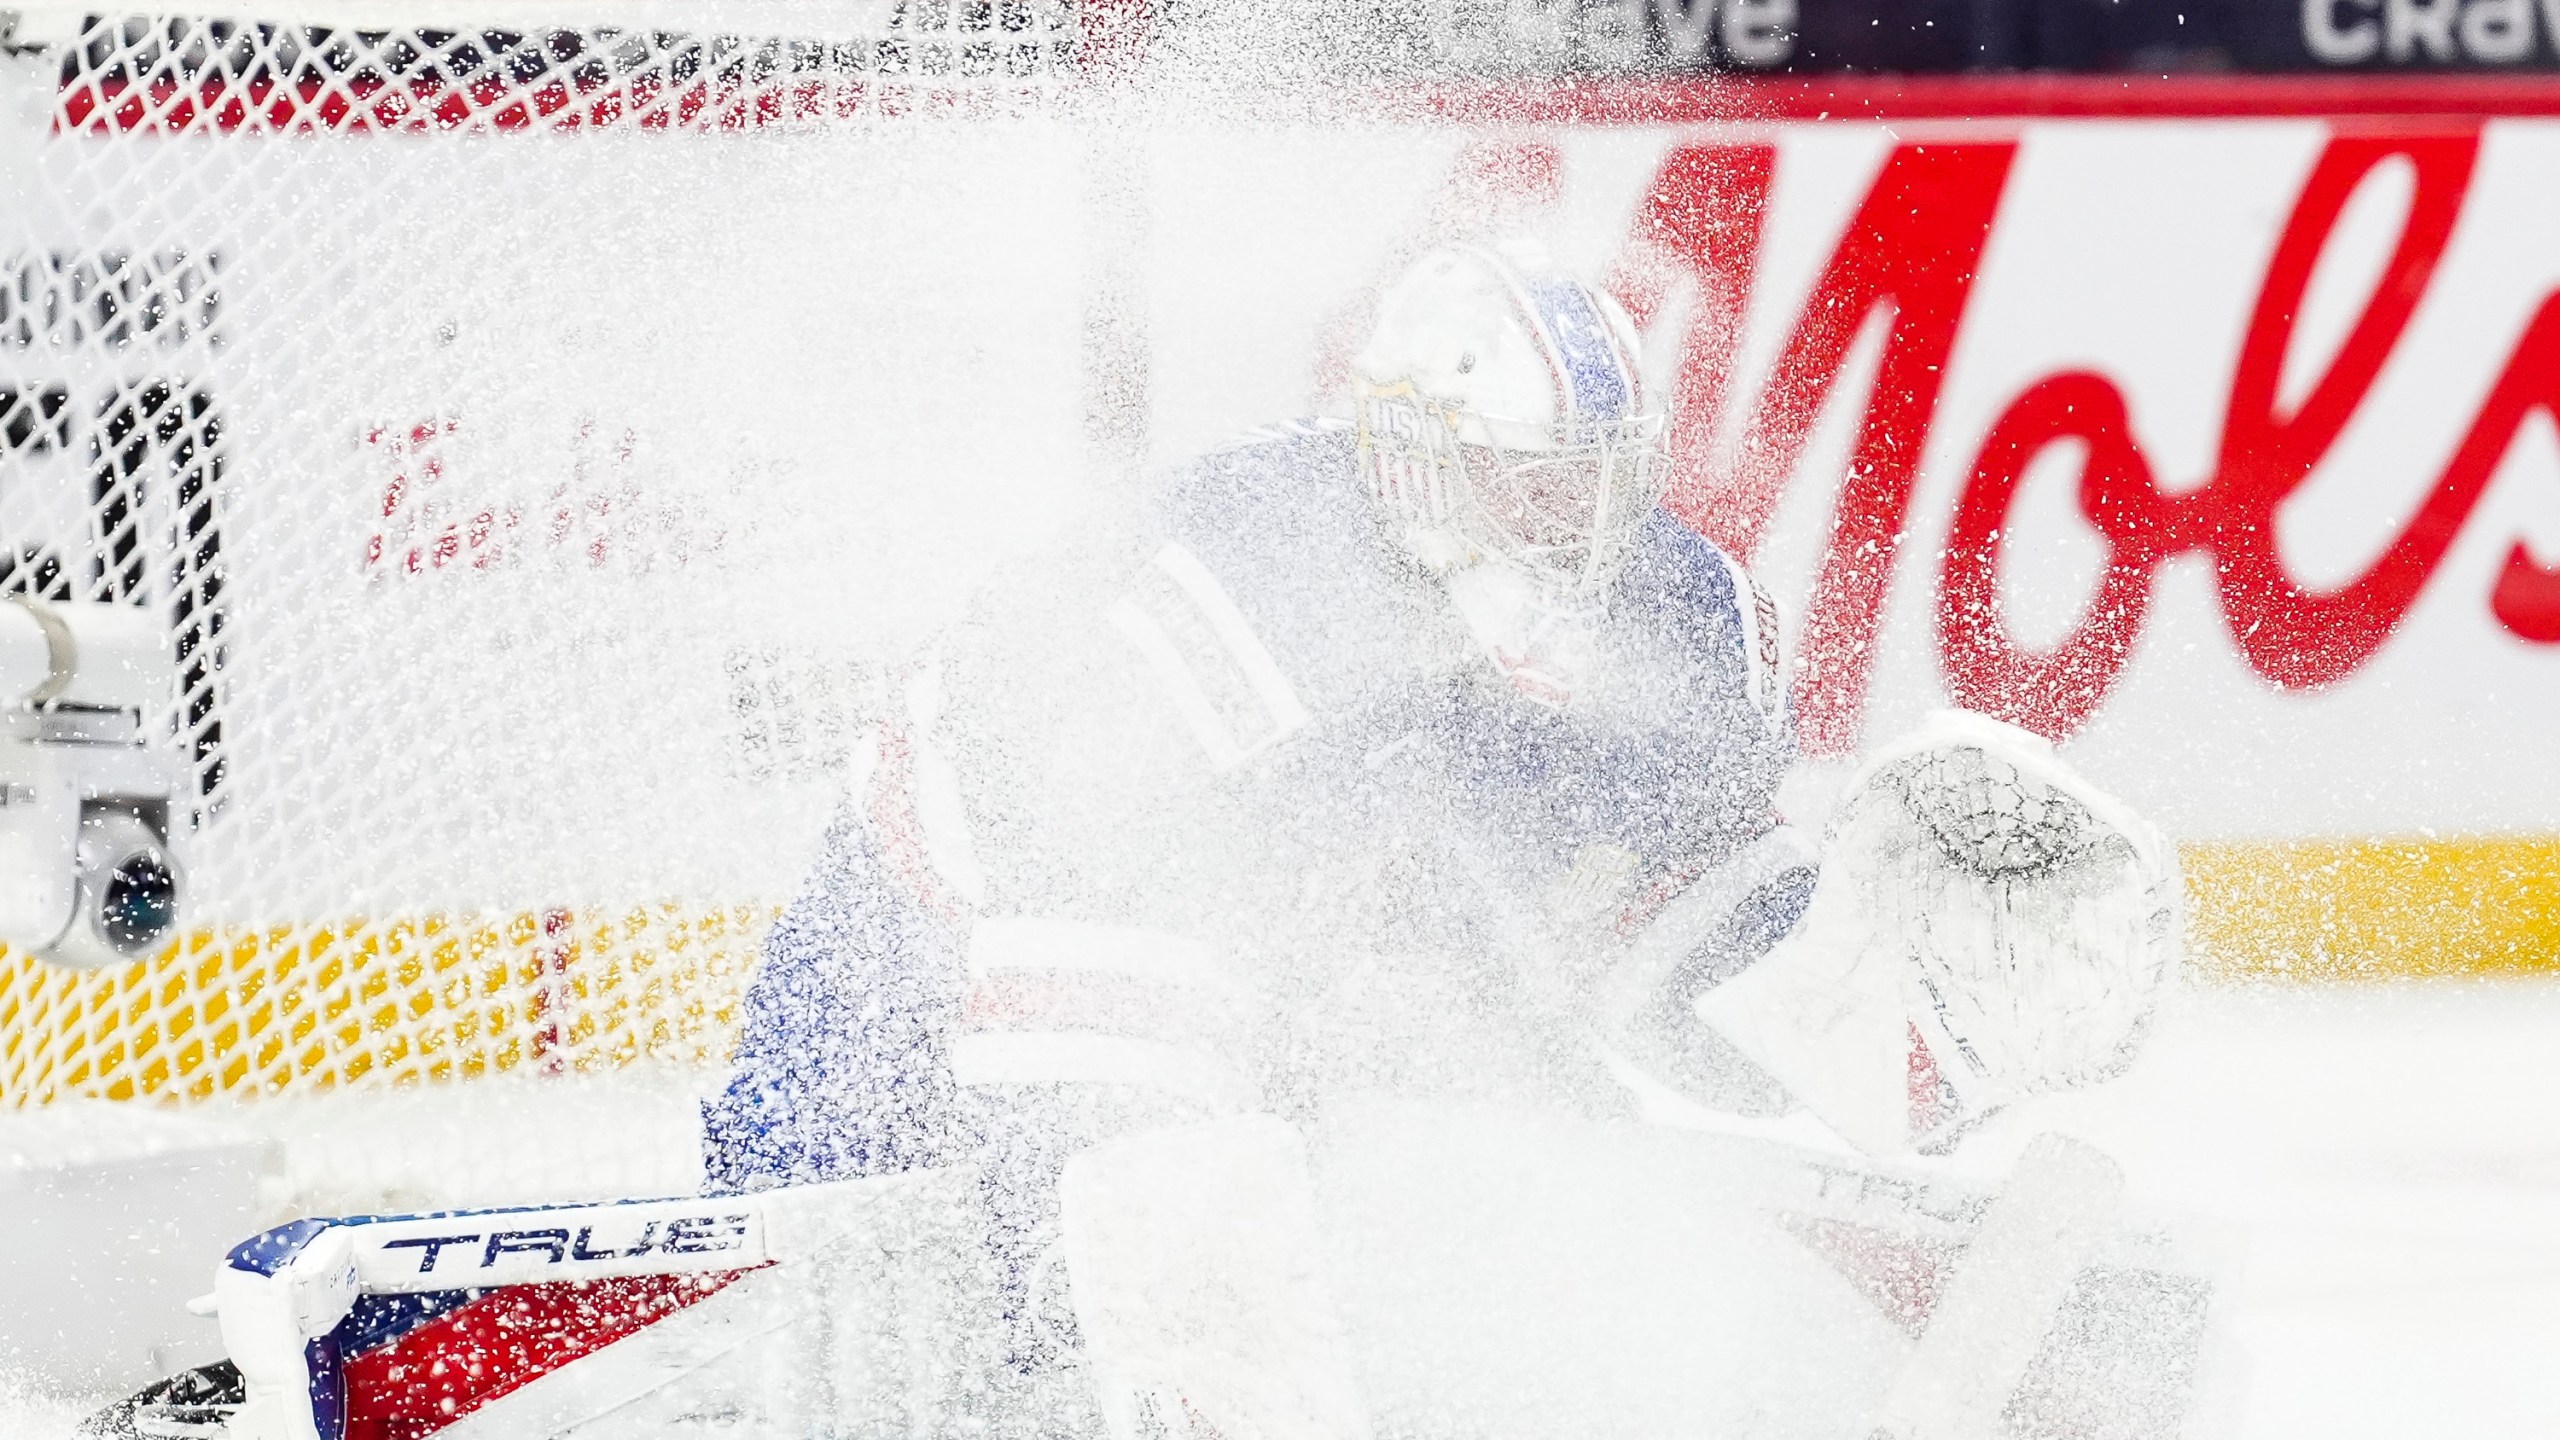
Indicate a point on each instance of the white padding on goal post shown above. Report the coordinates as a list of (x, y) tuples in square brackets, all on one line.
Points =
[(122, 1212)]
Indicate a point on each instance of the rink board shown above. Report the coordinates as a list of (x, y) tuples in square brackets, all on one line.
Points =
[(571, 608), (2402, 654)]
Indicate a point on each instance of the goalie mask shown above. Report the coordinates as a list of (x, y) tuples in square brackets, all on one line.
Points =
[(1501, 416)]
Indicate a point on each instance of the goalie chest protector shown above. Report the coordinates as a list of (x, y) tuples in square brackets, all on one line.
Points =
[(1268, 694)]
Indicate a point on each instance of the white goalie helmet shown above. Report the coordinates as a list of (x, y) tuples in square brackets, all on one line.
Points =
[(1501, 415)]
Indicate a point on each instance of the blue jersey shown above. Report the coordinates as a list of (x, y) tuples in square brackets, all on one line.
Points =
[(1263, 723)]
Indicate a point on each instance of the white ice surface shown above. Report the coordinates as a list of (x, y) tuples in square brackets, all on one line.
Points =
[(2388, 1160)]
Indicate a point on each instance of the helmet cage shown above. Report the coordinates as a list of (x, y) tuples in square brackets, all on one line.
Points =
[(1561, 502)]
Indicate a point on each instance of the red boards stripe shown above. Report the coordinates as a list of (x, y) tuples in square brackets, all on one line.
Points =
[(1691, 100), (655, 99), (453, 1365)]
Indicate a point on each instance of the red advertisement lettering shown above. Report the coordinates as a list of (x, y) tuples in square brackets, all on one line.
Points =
[(1913, 246), (2294, 636)]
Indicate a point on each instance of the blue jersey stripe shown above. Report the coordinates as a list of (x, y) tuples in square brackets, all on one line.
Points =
[(1602, 388)]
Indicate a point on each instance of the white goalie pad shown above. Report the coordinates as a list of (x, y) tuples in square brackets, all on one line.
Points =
[(2014, 1279), (1193, 1257), (1419, 1269), (1405, 1268), (1976, 895)]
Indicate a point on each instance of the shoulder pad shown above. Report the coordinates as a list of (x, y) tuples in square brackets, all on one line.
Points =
[(1698, 592)]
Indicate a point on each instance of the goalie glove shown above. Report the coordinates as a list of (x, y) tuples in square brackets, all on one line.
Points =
[(1988, 926)]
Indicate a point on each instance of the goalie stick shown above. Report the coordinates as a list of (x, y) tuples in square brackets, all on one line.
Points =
[(538, 1321), (1204, 1288)]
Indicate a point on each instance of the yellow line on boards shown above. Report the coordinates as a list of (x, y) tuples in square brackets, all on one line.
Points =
[(433, 998), (425, 998), (2351, 911)]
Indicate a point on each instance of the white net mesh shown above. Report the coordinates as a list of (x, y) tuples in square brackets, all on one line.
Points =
[(534, 441), (2036, 915)]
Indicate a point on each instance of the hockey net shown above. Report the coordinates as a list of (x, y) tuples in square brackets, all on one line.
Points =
[(536, 440)]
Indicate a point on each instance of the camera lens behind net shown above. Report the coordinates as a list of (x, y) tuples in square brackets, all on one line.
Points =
[(131, 893), (138, 905)]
